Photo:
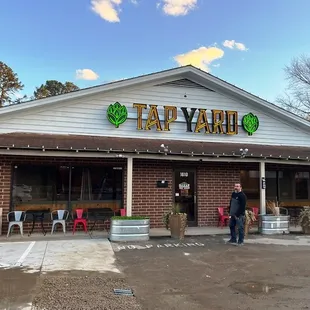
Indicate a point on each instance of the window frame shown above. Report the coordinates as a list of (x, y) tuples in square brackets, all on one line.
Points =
[(292, 173), (70, 165)]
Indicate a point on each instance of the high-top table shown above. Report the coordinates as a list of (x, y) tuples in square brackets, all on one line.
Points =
[(38, 216), (99, 214)]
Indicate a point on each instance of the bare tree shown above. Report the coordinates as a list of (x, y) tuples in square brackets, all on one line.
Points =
[(297, 97)]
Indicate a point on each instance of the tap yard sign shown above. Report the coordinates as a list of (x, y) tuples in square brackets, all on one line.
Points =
[(196, 120)]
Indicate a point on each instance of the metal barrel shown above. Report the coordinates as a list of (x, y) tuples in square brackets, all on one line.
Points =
[(130, 230), (274, 225)]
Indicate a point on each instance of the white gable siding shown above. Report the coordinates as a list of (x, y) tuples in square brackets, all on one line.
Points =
[(88, 116)]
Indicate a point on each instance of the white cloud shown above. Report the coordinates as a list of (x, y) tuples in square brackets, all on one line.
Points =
[(232, 44), (200, 58), (86, 74), (107, 9), (177, 7), (241, 47)]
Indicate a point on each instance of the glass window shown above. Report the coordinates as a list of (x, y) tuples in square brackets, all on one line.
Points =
[(301, 185), (250, 183), (97, 187), (271, 185), (40, 187), (286, 185)]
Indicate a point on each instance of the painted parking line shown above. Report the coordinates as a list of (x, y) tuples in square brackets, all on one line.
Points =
[(10, 253), (25, 254), (158, 246)]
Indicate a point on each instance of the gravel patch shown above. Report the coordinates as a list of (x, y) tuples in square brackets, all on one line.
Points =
[(68, 292)]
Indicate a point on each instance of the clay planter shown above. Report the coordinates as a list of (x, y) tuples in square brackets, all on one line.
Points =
[(177, 225), (306, 230)]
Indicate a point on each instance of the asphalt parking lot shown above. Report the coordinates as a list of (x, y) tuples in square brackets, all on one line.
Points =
[(197, 273), (205, 273)]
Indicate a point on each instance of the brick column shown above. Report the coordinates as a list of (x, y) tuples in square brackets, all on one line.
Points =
[(147, 198), (5, 191)]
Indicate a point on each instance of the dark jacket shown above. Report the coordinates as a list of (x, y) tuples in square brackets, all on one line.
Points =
[(237, 204)]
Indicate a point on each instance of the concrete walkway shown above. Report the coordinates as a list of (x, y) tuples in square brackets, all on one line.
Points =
[(205, 231), (60, 255)]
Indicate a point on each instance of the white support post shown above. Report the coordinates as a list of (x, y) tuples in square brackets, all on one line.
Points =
[(262, 189), (129, 186)]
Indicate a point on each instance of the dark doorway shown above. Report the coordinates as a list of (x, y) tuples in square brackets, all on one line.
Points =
[(185, 193)]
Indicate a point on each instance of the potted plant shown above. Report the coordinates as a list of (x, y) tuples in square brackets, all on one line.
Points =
[(249, 220), (129, 228), (176, 221), (304, 220)]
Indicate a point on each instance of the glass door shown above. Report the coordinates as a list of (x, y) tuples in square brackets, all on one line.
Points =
[(185, 193)]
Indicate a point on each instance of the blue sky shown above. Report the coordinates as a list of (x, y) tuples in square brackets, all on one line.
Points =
[(114, 39)]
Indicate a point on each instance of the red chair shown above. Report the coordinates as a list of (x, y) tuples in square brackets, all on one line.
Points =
[(222, 218), (255, 211), (78, 218)]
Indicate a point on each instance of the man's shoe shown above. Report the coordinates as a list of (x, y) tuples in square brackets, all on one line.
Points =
[(240, 243), (232, 241)]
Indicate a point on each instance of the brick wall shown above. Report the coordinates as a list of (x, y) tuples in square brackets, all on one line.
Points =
[(147, 199), (5, 190), (215, 183)]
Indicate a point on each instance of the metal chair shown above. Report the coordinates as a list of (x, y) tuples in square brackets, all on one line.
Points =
[(16, 218), (283, 211), (79, 216), (222, 219), (59, 217)]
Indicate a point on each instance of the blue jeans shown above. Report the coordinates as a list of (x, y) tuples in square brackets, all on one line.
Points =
[(239, 222)]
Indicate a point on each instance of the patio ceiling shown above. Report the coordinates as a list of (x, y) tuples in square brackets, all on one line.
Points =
[(33, 141)]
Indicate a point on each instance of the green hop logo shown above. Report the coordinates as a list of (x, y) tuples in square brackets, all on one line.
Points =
[(117, 114), (250, 123)]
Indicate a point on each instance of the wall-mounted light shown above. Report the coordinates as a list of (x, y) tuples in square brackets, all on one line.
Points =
[(243, 152), (165, 147)]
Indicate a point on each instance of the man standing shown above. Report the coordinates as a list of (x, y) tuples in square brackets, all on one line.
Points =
[(237, 214)]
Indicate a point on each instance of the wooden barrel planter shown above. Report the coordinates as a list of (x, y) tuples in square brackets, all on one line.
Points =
[(274, 224), (124, 229), (177, 224)]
